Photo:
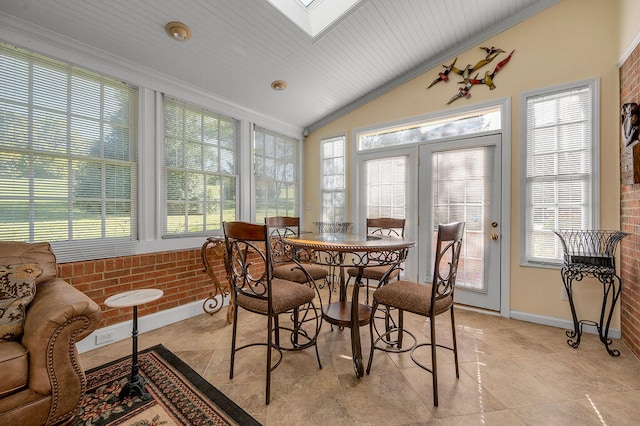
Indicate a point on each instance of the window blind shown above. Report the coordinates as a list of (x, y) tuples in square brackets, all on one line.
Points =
[(462, 188), (68, 157), (199, 173), (276, 174), (559, 170), (387, 187), (333, 179)]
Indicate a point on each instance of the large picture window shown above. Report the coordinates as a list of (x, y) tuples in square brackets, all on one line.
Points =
[(276, 174), (560, 161), (199, 169), (68, 155)]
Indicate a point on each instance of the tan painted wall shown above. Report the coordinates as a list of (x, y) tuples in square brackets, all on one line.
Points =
[(570, 41), (629, 24)]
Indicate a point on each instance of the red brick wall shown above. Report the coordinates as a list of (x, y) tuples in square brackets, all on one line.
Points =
[(630, 216), (179, 274)]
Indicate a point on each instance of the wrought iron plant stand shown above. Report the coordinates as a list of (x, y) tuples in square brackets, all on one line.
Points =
[(591, 253)]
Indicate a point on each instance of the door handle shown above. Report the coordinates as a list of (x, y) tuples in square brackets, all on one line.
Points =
[(494, 237)]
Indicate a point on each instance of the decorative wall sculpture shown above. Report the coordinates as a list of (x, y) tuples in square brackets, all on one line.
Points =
[(466, 72), (630, 155), (630, 123)]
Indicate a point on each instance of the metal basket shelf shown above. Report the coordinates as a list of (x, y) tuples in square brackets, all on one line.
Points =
[(333, 227), (594, 249)]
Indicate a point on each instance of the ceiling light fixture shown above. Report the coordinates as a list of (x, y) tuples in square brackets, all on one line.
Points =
[(178, 31), (279, 85)]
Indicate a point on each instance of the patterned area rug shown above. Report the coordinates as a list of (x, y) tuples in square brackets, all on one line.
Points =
[(180, 396)]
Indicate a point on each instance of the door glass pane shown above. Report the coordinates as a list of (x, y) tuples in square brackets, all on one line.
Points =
[(462, 187), (386, 187)]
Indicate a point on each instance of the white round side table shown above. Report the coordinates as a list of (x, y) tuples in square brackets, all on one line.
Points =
[(135, 386)]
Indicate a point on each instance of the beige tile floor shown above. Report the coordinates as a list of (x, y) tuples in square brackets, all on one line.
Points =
[(511, 373)]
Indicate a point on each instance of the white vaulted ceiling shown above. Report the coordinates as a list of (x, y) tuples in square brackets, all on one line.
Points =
[(239, 47)]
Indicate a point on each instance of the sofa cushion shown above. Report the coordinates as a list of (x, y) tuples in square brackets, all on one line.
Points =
[(17, 288), (14, 252), (14, 364)]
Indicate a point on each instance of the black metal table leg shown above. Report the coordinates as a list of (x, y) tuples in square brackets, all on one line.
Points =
[(356, 346), (136, 383)]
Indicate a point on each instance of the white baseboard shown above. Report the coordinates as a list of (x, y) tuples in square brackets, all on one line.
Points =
[(122, 331), (614, 333)]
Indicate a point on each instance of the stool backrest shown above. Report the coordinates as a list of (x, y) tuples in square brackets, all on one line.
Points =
[(248, 257), (448, 246), (386, 226), (280, 227)]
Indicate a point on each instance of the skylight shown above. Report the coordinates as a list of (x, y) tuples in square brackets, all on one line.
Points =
[(315, 16)]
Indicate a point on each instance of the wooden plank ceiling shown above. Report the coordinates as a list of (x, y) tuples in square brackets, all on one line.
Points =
[(240, 46)]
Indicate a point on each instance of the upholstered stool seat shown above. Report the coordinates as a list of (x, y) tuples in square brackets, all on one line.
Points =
[(373, 272), (411, 297), (285, 296), (292, 272)]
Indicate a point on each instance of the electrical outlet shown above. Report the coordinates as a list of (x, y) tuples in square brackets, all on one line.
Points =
[(105, 337), (563, 293)]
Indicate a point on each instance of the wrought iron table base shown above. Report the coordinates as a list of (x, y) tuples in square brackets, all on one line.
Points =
[(135, 385), (611, 287), (363, 251)]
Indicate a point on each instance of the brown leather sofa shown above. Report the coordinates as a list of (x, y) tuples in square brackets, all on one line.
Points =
[(41, 379)]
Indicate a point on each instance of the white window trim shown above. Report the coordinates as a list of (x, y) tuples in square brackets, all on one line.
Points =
[(594, 86), (411, 227)]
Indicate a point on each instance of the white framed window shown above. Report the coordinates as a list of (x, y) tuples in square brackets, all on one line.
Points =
[(199, 173), (560, 167), (68, 156), (333, 179), (276, 171)]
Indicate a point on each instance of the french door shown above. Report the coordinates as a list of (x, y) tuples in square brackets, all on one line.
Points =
[(459, 180)]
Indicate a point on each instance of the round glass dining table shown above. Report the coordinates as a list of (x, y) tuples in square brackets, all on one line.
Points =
[(350, 250)]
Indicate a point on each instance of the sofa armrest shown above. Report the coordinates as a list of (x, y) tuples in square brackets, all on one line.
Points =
[(58, 317)]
